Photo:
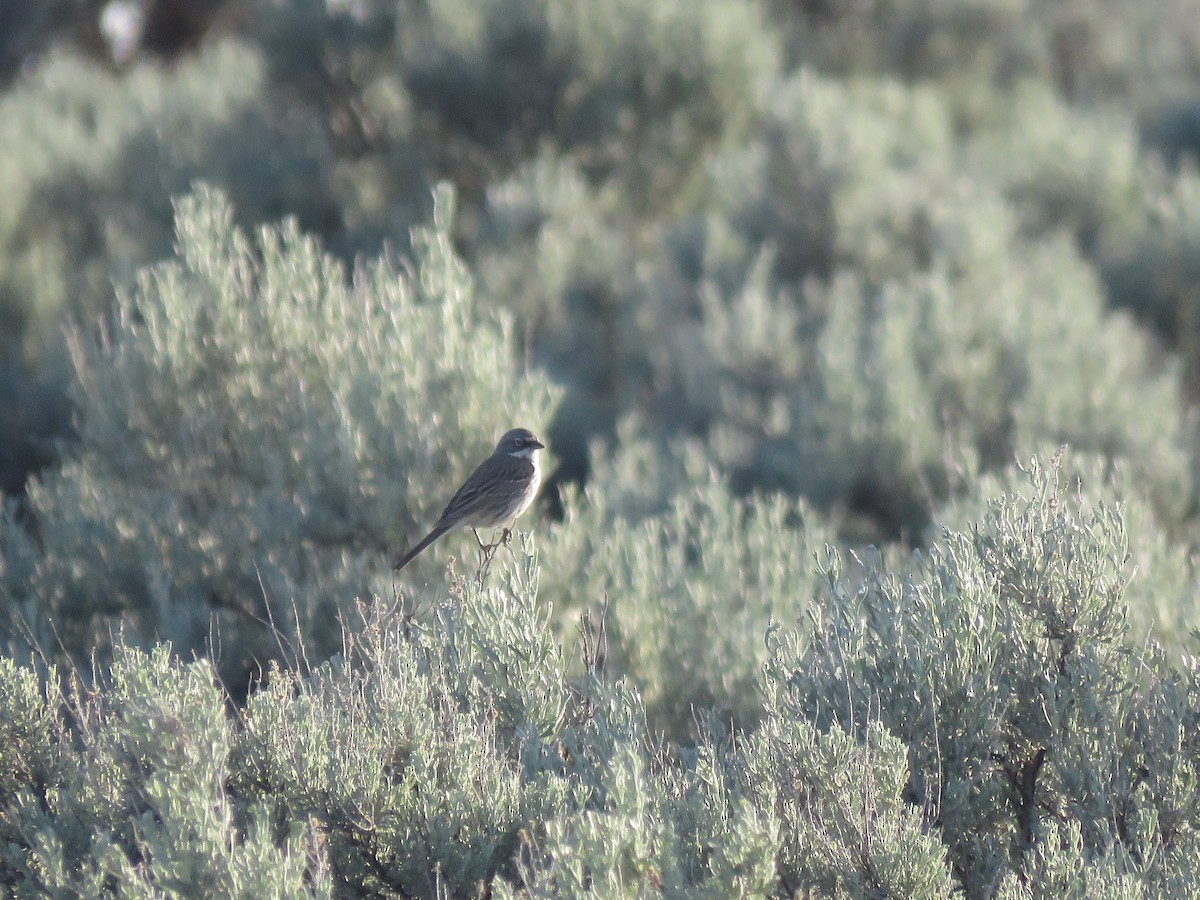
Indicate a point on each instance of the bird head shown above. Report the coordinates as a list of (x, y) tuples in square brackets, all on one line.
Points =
[(520, 442)]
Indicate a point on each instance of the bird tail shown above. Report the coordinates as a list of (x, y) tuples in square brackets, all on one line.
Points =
[(425, 542)]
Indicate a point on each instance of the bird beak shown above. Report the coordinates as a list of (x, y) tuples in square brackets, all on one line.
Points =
[(537, 445)]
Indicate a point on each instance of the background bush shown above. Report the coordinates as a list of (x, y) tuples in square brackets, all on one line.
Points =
[(231, 482), (788, 287), (974, 720)]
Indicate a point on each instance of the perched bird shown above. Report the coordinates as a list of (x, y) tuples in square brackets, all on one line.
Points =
[(496, 493)]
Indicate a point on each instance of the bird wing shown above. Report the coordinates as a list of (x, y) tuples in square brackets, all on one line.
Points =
[(495, 474)]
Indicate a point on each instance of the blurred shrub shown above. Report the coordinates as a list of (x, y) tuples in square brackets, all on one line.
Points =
[(979, 40), (89, 161), (1062, 168), (622, 84), (1138, 53), (1161, 594), (35, 415), (637, 93), (1129, 209), (135, 800), (93, 159), (1155, 270), (1034, 732), (906, 333), (846, 826), (857, 317), (529, 107), (972, 723), (343, 115), (25, 28), (552, 249), (685, 595), (839, 283), (258, 431)]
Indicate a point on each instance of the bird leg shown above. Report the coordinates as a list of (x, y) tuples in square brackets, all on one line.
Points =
[(486, 553), (505, 539)]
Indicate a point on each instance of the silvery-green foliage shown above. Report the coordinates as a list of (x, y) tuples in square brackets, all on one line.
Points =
[(556, 252), (435, 759), (1002, 663), (974, 723), (1062, 867), (964, 44), (1088, 173), (623, 83), (654, 826), (802, 269), (981, 51), (144, 806), (460, 755), (472, 89), (426, 750), (1153, 269), (923, 347), (683, 593), (852, 314), (36, 759), (761, 275), (1064, 168), (91, 161), (1161, 594), (259, 430), (846, 826)]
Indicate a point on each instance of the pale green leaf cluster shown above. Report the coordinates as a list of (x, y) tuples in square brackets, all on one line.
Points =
[(685, 596), (972, 723), (775, 282), (438, 758), (92, 161), (858, 252), (249, 407), (1035, 730), (856, 311), (136, 799)]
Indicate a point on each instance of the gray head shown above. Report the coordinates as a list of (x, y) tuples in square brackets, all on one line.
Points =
[(519, 442)]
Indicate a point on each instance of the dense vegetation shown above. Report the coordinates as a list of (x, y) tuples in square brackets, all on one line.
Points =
[(865, 341)]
